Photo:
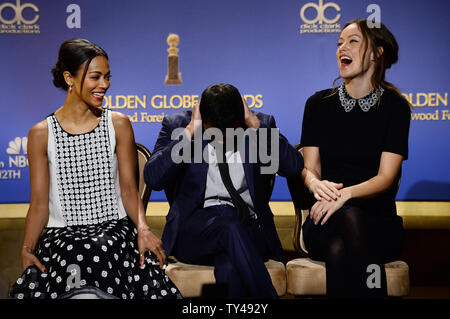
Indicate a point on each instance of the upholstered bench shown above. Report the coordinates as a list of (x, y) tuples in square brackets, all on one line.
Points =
[(307, 277), (190, 278)]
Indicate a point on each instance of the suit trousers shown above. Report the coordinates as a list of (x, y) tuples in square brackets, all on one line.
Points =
[(214, 236)]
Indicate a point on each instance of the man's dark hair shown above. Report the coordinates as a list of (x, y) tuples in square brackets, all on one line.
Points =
[(221, 106)]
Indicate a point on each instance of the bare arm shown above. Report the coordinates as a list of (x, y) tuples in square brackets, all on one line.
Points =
[(312, 176), (312, 164), (127, 162), (37, 216), (390, 164)]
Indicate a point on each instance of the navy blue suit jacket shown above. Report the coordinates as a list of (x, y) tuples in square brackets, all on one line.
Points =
[(185, 183)]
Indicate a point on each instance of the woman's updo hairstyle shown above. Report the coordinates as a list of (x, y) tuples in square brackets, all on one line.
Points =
[(72, 54)]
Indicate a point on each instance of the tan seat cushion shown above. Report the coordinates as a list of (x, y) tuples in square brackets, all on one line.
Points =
[(397, 276), (277, 272), (190, 278), (308, 277), (4, 287)]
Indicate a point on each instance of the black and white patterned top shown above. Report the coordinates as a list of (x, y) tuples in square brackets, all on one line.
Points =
[(83, 175)]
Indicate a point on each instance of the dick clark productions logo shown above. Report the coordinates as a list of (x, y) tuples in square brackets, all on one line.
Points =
[(15, 21), (320, 23)]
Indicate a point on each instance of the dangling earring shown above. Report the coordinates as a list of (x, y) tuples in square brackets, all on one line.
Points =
[(70, 87)]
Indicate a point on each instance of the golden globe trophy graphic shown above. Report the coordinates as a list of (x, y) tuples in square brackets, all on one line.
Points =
[(173, 76)]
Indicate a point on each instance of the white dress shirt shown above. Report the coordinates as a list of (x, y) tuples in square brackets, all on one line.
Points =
[(216, 192)]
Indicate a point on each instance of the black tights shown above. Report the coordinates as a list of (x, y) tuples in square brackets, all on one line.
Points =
[(349, 242)]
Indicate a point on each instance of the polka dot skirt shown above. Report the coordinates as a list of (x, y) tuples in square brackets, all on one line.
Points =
[(104, 256)]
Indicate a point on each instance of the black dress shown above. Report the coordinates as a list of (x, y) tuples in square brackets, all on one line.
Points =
[(351, 140)]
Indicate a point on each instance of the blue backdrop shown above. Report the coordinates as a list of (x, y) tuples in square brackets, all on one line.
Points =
[(260, 46)]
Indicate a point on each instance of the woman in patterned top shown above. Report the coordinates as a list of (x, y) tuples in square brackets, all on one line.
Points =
[(82, 162)]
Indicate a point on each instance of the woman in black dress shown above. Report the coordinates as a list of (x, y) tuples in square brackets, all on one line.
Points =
[(86, 232), (354, 139)]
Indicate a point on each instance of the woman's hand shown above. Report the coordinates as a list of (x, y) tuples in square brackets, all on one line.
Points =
[(147, 241), (126, 156), (325, 209), (325, 189), (29, 259)]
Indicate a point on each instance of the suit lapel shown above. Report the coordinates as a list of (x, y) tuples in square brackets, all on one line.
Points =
[(249, 170), (202, 168)]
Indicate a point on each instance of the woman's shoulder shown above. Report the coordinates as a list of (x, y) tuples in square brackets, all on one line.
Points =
[(120, 120), (39, 129), (396, 103), (320, 96), (119, 117), (122, 125), (38, 134)]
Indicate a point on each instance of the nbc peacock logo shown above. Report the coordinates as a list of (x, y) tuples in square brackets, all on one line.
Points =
[(17, 151), (17, 159), (17, 145)]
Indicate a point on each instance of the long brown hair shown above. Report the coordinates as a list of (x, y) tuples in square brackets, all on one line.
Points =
[(373, 38)]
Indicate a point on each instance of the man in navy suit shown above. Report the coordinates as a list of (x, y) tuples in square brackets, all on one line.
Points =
[(218, 188)]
